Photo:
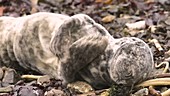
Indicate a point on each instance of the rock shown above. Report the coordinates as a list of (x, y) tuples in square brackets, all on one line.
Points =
[(27, 91), (80, 87), (4, 84), (136, 25), (1, 73), (106, 93), (141, 92), (44, 80), (54, 92), (10, 76), (167, 21), (108, 18)]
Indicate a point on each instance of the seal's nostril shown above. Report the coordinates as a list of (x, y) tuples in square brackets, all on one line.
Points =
[(102, 69)]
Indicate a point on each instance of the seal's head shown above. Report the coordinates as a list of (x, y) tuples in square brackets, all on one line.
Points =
[(132, 63)]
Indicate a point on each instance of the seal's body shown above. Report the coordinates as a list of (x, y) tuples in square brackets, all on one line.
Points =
[(65, 47), (26, 40)]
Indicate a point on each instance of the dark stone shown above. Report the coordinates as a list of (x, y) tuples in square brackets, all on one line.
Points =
[(10, 76), (27, 91)]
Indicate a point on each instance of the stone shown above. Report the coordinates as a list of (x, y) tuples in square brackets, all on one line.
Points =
[(80, 87), (54, 92), (44, 80), (27, 91), (10, 76), (1, 73)]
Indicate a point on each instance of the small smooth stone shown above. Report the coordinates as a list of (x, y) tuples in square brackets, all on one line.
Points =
[(80, 87), (9, 76), (54, 92), (44, 80), (1, 73)]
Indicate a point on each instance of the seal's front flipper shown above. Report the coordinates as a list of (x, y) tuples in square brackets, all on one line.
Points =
[(87, 49), (81, 53), (73, 29)]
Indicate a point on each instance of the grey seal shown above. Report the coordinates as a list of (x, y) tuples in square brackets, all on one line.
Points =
[(70, 48)]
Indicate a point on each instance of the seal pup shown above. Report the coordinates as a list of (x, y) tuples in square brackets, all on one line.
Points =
[(126, 61), (66, 47)]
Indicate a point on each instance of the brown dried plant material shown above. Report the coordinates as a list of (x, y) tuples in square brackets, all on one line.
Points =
[(108, 1), (168, 52), (153, 28), (161, 64), (98, 1), (166, 93), (30, 76), (154, 92), (157, 45), (106, 93), (155, 82), (104, 1), (1, 10), (167, 59), (34, 6), (108, 18), (6, 89), (149, 1), (163, 75)]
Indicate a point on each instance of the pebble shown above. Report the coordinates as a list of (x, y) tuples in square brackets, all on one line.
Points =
[(44, 80), (167, 21), (10, 76), (54, 92), (80, 87), (1, 73), (27, 91)]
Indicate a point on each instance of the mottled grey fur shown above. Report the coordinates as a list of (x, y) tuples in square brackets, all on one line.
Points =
[(66, 47)]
